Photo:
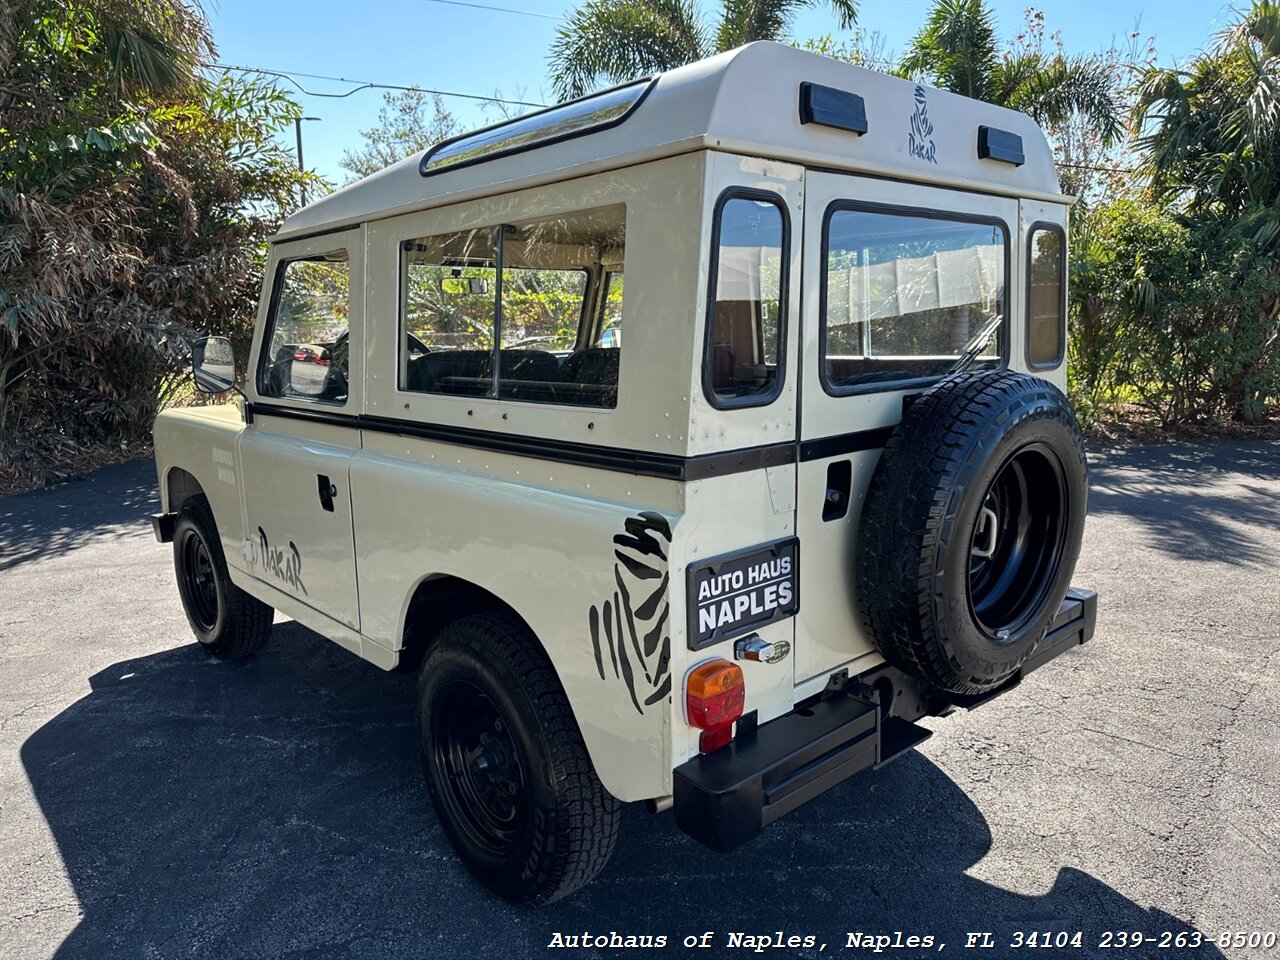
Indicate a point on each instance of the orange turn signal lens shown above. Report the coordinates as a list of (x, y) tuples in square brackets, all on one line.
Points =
[(714, 694)]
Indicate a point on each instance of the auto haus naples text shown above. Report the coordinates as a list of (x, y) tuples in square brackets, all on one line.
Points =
[(749, 589)]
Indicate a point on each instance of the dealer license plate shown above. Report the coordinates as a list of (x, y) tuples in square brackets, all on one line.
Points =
[(739, 592)]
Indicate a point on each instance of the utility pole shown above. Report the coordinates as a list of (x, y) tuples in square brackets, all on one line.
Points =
[(297, 128)]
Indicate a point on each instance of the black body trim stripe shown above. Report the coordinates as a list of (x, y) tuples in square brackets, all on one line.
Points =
[(844, 443), (664, 466)]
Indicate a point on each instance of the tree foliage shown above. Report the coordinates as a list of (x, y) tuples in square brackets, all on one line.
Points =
[(135, 193), (619, 40), (409, 122), (957, 50)]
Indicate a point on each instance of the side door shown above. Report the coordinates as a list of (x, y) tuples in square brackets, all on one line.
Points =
[(306, 390), (899, 280)]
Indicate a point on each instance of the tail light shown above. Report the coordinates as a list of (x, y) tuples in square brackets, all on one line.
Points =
[(714, 695)]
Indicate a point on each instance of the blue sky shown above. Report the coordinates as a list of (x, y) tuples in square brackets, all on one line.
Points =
[(459, 48)]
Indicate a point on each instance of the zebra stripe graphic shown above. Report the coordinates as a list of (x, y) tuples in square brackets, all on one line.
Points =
[(637, 636)]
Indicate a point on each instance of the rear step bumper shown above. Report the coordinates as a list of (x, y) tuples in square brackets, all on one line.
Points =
[(724, 798)]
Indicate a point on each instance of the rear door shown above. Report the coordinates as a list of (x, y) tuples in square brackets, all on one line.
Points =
[(899, 279), (306, 386)]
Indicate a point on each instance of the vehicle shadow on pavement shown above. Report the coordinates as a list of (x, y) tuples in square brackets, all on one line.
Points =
[(275, 807), (113, 501), (1195, 502)]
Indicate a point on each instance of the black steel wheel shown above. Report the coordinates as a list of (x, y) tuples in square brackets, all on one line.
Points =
[(1018, 541), (506, 765), (196, 571), (971, 528), (227, 622), (480, 766)]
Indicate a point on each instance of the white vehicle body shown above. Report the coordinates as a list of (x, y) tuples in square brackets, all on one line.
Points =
[(433, 493)]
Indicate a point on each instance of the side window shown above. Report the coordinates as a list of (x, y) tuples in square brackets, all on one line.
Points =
[(1046, 303), (908, 296), (743, 364), (528, 334), (305, 356)]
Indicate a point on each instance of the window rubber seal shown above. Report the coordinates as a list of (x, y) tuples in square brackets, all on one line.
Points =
[(924, 213), (784, 293)]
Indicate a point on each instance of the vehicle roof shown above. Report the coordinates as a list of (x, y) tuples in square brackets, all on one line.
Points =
[(744, 101)]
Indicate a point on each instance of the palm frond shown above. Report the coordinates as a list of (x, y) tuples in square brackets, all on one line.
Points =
[(1062, 86), (956, 49), (618, 41), (743, 21)]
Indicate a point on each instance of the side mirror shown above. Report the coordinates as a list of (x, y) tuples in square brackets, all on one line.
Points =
[(213, 365), (462, 286)]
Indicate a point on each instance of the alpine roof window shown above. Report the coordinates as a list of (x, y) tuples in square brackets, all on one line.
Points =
[(589, 114)]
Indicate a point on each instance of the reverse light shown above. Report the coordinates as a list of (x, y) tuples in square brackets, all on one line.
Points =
[(714, 694)]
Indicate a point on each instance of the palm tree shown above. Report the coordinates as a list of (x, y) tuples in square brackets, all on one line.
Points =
[(1212, 131), (618, 40), (957, 50), (1211, 145)]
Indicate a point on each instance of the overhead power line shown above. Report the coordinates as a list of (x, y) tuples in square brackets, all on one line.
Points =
[(485, 6), (363, 85)]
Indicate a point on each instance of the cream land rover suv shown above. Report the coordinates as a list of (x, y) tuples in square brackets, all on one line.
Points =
[(694, 440)]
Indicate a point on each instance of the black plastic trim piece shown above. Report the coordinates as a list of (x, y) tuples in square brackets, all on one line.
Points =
[(724, 798), (1062, 290), (638, 462), (784, 291), (997, 144), (162, 525), (830, 107), (915, 383), (855, 442), (510, 151)]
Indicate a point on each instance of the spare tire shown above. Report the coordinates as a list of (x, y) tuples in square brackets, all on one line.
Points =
[(971, 529)]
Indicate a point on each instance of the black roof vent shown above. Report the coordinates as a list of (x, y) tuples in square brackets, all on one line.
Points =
[(832, 108), (994, 144)]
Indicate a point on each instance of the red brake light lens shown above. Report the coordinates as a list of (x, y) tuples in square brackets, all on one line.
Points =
[(714, 694)]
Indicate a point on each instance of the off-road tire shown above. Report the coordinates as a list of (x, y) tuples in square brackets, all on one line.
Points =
[(923, 589), (569, 824), (228, 623)]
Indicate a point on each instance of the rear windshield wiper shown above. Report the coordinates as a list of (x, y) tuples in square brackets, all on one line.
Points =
[(973, 349)]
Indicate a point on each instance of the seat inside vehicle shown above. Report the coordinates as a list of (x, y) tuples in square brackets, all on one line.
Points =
[(586, 378)]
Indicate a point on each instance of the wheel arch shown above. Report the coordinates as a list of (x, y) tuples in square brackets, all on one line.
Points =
[(180, 485), (438, 599)]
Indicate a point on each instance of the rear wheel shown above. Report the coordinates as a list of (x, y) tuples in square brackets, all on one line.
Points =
[(227, 622), (506, 766)]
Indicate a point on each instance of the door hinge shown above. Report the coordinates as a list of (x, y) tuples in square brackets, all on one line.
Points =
[(246, 550)]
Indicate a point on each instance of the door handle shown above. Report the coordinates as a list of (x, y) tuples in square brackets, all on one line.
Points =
[(327, 492), (835, 504)]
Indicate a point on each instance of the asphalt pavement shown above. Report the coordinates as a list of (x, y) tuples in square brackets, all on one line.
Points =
[(156, 803)]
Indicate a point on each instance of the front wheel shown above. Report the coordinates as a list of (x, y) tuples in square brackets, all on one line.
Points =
[(506, 766), (227, 622)]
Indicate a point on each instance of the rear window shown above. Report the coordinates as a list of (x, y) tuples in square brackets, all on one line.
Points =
[(543, 328), (1046, 303), (907, 294)]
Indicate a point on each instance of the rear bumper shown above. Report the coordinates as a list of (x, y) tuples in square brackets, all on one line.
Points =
[(725, 798)]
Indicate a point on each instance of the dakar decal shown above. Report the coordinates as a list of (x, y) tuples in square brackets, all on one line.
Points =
[(284, 567), (920, 138), (633, 626)]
